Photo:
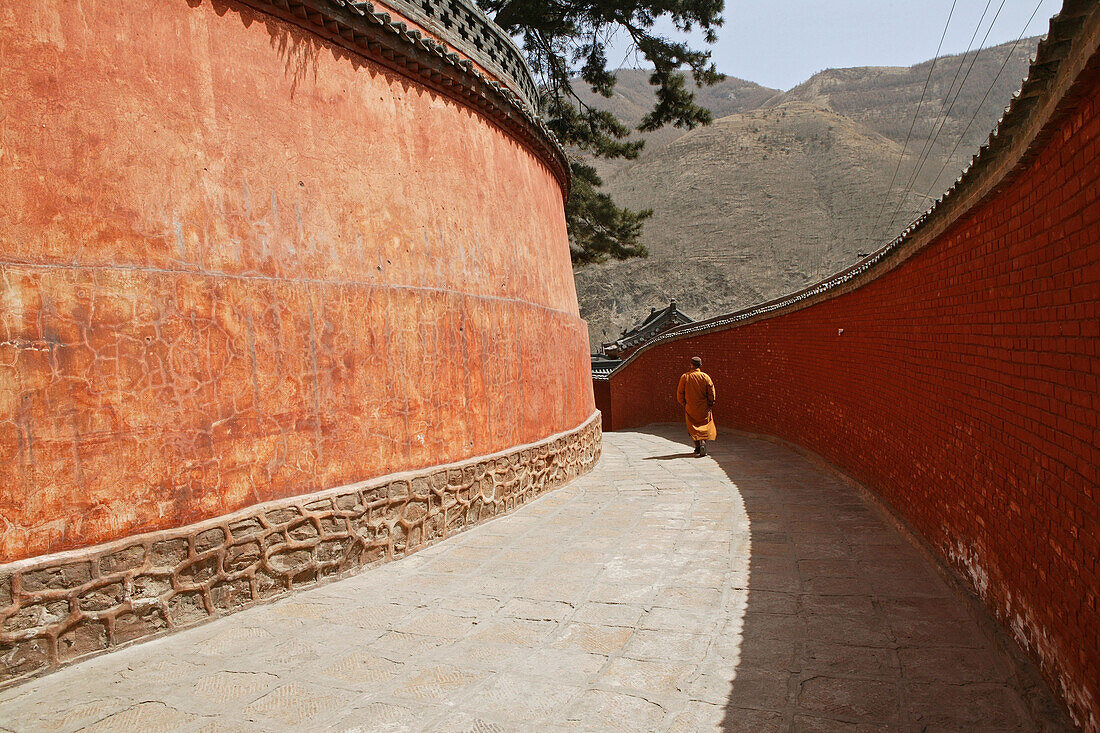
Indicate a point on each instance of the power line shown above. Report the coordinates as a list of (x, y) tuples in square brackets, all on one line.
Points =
[(918, 163), (939, 126), (916, 114), (962, 59), (987, 91)]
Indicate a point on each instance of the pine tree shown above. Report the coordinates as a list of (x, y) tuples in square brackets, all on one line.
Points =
[(567, 39)]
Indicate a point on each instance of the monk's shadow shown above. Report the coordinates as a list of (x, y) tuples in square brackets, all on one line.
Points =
[(670, 456)]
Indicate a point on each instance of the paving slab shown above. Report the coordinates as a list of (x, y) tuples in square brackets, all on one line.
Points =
[(746, 591)]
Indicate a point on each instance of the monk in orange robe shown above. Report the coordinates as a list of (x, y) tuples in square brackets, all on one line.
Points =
[(696, 393)]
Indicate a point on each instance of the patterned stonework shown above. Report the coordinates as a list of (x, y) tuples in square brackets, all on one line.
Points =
[(60, 608)]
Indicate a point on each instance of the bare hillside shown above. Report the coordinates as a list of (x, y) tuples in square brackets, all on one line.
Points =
[(883, 99), (775, 196), (753, 206), (633, 98)]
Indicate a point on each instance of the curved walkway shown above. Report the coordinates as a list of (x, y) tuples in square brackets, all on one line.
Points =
[(745, 591)]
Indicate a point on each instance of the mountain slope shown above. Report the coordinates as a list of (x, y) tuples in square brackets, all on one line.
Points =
[(884, 99), (633, 98), (633, 95), (755, 205), (773, 197)]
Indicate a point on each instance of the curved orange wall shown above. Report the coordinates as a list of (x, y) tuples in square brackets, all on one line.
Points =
[(965, 390), (238, 263)]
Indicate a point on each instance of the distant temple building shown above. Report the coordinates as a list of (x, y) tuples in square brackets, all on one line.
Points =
[(612, 353)]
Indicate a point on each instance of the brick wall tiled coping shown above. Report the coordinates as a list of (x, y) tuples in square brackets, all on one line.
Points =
[(60, 608)]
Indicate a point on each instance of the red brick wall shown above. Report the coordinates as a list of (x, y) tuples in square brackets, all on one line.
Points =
[(965, 390), (601, 391), (238, 263)]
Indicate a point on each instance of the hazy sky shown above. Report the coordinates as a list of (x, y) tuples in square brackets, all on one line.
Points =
[(781, 43)]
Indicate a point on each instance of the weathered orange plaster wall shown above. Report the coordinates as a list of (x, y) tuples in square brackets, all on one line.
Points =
[(238, 263)]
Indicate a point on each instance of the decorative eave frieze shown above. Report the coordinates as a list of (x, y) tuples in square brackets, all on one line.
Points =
[(447, 66), (463, 25)]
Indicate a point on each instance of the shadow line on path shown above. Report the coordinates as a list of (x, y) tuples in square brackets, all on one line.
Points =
[(845, 624)]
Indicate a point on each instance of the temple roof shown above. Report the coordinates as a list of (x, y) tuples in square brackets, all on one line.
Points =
[(656, 323)]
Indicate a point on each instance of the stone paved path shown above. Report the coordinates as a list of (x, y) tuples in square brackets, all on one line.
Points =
[(746, 591)]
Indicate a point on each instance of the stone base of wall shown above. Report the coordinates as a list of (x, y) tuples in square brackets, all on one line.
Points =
[(61, 608)]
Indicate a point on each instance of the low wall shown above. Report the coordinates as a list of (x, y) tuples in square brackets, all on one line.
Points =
[(65, 607), (251, 252), (601, 392), (958, 374)]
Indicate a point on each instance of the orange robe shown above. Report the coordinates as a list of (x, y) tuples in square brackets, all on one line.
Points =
[(696, 393)]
